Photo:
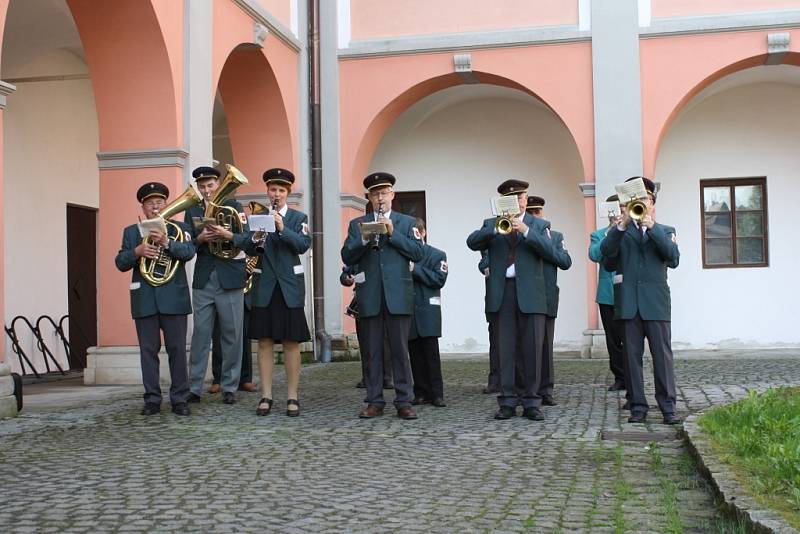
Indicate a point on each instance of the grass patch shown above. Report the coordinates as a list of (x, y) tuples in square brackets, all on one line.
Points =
[(669, 497), (759, 437)]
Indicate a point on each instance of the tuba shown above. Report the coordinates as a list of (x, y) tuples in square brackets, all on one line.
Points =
[(162, 269), (256, 208), (226, 216)]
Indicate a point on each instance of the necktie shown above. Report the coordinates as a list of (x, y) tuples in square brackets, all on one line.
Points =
[(512, 249)]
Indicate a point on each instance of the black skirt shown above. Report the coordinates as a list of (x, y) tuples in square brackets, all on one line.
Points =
[(277, 321)]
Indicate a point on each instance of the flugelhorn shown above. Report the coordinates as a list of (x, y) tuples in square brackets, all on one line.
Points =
[(158, 271), (226, 216)]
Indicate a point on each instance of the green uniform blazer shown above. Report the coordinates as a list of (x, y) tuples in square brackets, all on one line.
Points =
[(605, 285), (429, 274), (561, 260), (171, 298), (387, 273), (280, 264), (230, 273), (640, 263), (528, 264)]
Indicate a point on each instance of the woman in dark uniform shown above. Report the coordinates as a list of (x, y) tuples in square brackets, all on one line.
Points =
[(277, 314)]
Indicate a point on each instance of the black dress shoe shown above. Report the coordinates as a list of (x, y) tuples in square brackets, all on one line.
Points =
[(637, 417), (671, 419), (617, 386), (548, 400), (627, 405), (504, 412), (491, 389), (419, 400), (439, 402), (534, 414), (193, 397), (180, 408), (361, 385), (229, 398), (406, 413), (151, 408)]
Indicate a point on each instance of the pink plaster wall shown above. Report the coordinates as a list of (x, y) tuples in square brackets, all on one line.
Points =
[(118, 209), (170, 19), (280, 9), (675, 69), (688, 8), (3, 11), (371, 19)]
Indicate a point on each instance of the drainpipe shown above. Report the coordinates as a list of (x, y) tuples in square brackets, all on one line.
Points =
[(322, 337)]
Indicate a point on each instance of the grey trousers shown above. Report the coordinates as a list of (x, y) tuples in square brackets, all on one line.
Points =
[(148, 330), (659, 337), (395, 329), (228, 305), (547, 379)]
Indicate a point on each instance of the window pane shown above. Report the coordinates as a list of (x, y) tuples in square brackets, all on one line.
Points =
[(749, 224), (749, 250), (718, 225), (748, 197), (718, 251), (717, 198)]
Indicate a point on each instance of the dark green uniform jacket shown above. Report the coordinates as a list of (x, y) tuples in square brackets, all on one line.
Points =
[(528, 263), (429, 275), (561, 260), (280, 263), (171, 298), (605, 285), (387, 272), (641, 262), (230, 273)]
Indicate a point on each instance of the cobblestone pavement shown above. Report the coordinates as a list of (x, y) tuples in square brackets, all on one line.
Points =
[(102, 467)]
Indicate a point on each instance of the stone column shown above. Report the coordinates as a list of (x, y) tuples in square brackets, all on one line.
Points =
[(8, 403)]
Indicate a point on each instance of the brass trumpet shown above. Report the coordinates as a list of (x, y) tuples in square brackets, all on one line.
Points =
[(158, 271), (503, 224), (226, 216), (637, 209)]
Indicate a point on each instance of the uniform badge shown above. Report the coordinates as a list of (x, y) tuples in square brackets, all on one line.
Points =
[(243, 217), (411, 266), (443, 266), (305, 229), (564, 245), (674, 239), (548, 232), (416, 233), (187, 236)]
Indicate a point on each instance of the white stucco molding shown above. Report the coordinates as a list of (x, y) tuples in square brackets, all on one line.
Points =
[(138, 159), (462, 65), (254, 9), (777, 47), (260, 33), (587, 188), (343, 23), (347, 200), (786, 18), (295, 199), (5, 90), (464, 41)]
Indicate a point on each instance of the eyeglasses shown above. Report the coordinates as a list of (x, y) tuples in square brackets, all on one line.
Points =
[(381, 193)]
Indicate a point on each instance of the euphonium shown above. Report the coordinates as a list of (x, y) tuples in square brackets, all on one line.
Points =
[(226, 216), (162, 269), (637, 209)]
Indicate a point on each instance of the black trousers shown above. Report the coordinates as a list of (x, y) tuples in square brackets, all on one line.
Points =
[(659, 338), (613, 330), (546, 382), (393, 328), (148, 330), (247, 353), (426, 366), (519, 340), (494, 358), (387, 359)]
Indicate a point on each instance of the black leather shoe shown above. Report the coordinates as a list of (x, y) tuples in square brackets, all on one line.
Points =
[(193, 397), (617, 386), (671, 419), (439, 402), (406, 413), (229, 398), (504, 412), (180, 408), (548, 400), (491, 389), (534, 414), (264, 411), (637, 417), (292, 413), (361, 385), (627, 405), (419, 400), (151, 408)]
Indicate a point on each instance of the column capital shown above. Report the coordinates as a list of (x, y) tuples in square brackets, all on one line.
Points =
[(5, 90), (587, 188), (137, 159)]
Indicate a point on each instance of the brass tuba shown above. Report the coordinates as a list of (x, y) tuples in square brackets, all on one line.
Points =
[(162, 269), (256, 208), (226, 216)]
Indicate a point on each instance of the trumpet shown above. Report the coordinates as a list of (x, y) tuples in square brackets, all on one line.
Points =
[(376, 239), (503, 224), (637, 210)]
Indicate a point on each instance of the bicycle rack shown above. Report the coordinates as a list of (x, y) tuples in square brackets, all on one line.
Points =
[(41, 345)]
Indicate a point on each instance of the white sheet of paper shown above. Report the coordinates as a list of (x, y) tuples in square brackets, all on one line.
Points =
[(370, 229), (505, 205), (261, 223), (156, 223), (631, 190), (359, 278), (608, 209)]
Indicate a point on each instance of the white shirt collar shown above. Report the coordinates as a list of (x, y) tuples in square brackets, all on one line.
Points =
[(283, 210), (386, 214)]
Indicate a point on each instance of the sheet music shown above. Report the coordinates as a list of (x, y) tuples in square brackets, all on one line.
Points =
[(156, 223), (608, 209), (631, 190), (369, 229), (261, 223), (505, 205)]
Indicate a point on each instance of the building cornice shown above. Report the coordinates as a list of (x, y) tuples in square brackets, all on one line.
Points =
[(788, 18), (588, 189), (5, 90), (355, 202), (262, 16), (138, 159)]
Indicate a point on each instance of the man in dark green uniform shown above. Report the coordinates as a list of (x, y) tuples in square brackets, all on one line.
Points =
[(386, 295), (430, 274), (493, 380), (161, 308), (217, 291), (516, 299), (605, 302), (639, 253), (559, 260)]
